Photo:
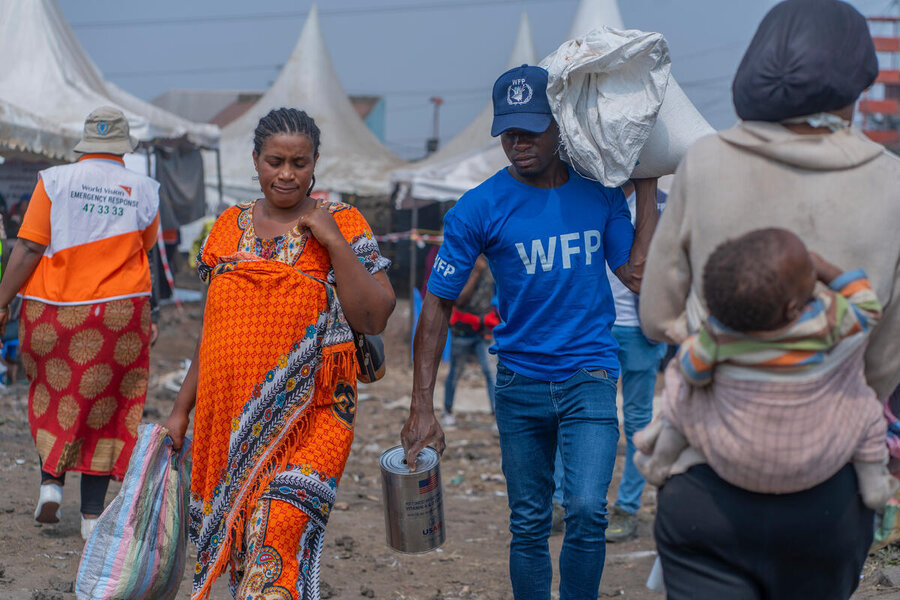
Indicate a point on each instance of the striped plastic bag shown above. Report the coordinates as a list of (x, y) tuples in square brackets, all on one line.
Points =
[(137, 550)]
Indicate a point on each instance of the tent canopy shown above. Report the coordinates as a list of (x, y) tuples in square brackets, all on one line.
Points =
[(453, 177), (591, 14), (27, 134), (351, 159), (48, 85), (478, 133), (475, 137)]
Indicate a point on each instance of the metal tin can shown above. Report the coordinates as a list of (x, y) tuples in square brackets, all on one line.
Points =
[(413, 501)]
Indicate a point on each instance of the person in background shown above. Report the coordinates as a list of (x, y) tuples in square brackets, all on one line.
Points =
[(9, 354), (471, 323), (547, 234), (6, 240), (429, 263), (10, 340), (16, 215), (639, 360), (153, 259), (5, 249), (81, 266), (793, 161)]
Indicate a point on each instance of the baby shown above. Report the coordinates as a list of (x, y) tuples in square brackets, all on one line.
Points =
[(788, 404)]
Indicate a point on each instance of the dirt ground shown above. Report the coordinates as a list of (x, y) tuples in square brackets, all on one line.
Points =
[(40, 562)]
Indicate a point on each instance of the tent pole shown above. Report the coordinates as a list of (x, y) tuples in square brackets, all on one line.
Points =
[(149, 174), (219, 180), (414, 226)]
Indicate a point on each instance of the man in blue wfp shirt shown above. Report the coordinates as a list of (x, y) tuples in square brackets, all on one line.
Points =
[(548, 235)]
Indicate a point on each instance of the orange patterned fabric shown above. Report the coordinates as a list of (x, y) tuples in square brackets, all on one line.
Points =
[(88, 367), (267, 565), (275, 354), (272, 538)]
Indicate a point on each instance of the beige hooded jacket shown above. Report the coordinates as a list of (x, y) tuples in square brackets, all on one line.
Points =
[(840, 192)]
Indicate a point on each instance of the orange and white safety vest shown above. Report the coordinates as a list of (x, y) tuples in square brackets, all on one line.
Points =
[(97, 220)]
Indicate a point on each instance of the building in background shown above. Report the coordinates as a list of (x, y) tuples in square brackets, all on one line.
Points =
[(879, 107)]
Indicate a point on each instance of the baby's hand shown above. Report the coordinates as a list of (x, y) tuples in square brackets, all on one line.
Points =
[(825, 271)]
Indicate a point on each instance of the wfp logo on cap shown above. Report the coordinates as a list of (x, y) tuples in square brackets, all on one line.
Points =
[(519, 92), (102, 127)]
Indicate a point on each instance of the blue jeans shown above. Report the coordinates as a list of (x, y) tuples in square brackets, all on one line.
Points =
[(558, 473), (461, 346), (639, 364), (578, 414)]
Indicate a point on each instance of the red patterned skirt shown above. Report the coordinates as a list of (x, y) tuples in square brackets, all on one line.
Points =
[(88, 366)]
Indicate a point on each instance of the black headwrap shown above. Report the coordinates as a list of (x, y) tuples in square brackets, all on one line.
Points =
[(807, 56)]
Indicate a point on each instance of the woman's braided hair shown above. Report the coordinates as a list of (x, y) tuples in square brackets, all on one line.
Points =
[(286, 120)]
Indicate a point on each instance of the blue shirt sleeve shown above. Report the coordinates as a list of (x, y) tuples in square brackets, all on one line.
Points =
[(619, 233), (463, 242)]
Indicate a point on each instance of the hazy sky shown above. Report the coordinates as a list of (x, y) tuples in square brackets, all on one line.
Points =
[(404, 50)]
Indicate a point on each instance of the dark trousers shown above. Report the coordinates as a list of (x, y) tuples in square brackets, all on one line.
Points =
[(718, 541), (93, 490)]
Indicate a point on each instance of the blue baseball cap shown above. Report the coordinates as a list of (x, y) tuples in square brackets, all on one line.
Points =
[(520, 101)]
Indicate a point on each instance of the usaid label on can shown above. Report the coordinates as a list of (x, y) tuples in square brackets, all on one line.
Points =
[(413, 501)]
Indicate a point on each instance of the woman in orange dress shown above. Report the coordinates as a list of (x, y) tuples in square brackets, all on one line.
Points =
[(274, 377)]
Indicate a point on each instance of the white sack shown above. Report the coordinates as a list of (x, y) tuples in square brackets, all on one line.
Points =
[(617, 106), (678, 125)]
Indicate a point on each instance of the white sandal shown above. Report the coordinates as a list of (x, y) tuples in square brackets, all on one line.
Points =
[(47, 510)]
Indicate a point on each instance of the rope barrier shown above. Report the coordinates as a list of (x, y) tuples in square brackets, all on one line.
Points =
[(420, 236)]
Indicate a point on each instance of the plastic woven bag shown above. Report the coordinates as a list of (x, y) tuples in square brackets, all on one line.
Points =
[(620, 113), (137, 550)]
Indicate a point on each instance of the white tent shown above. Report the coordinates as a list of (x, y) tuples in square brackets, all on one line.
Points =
[(450, 178), (22, 132), (431, 179), (591, 14), (48, 85), (351, 159), (478, 133)]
